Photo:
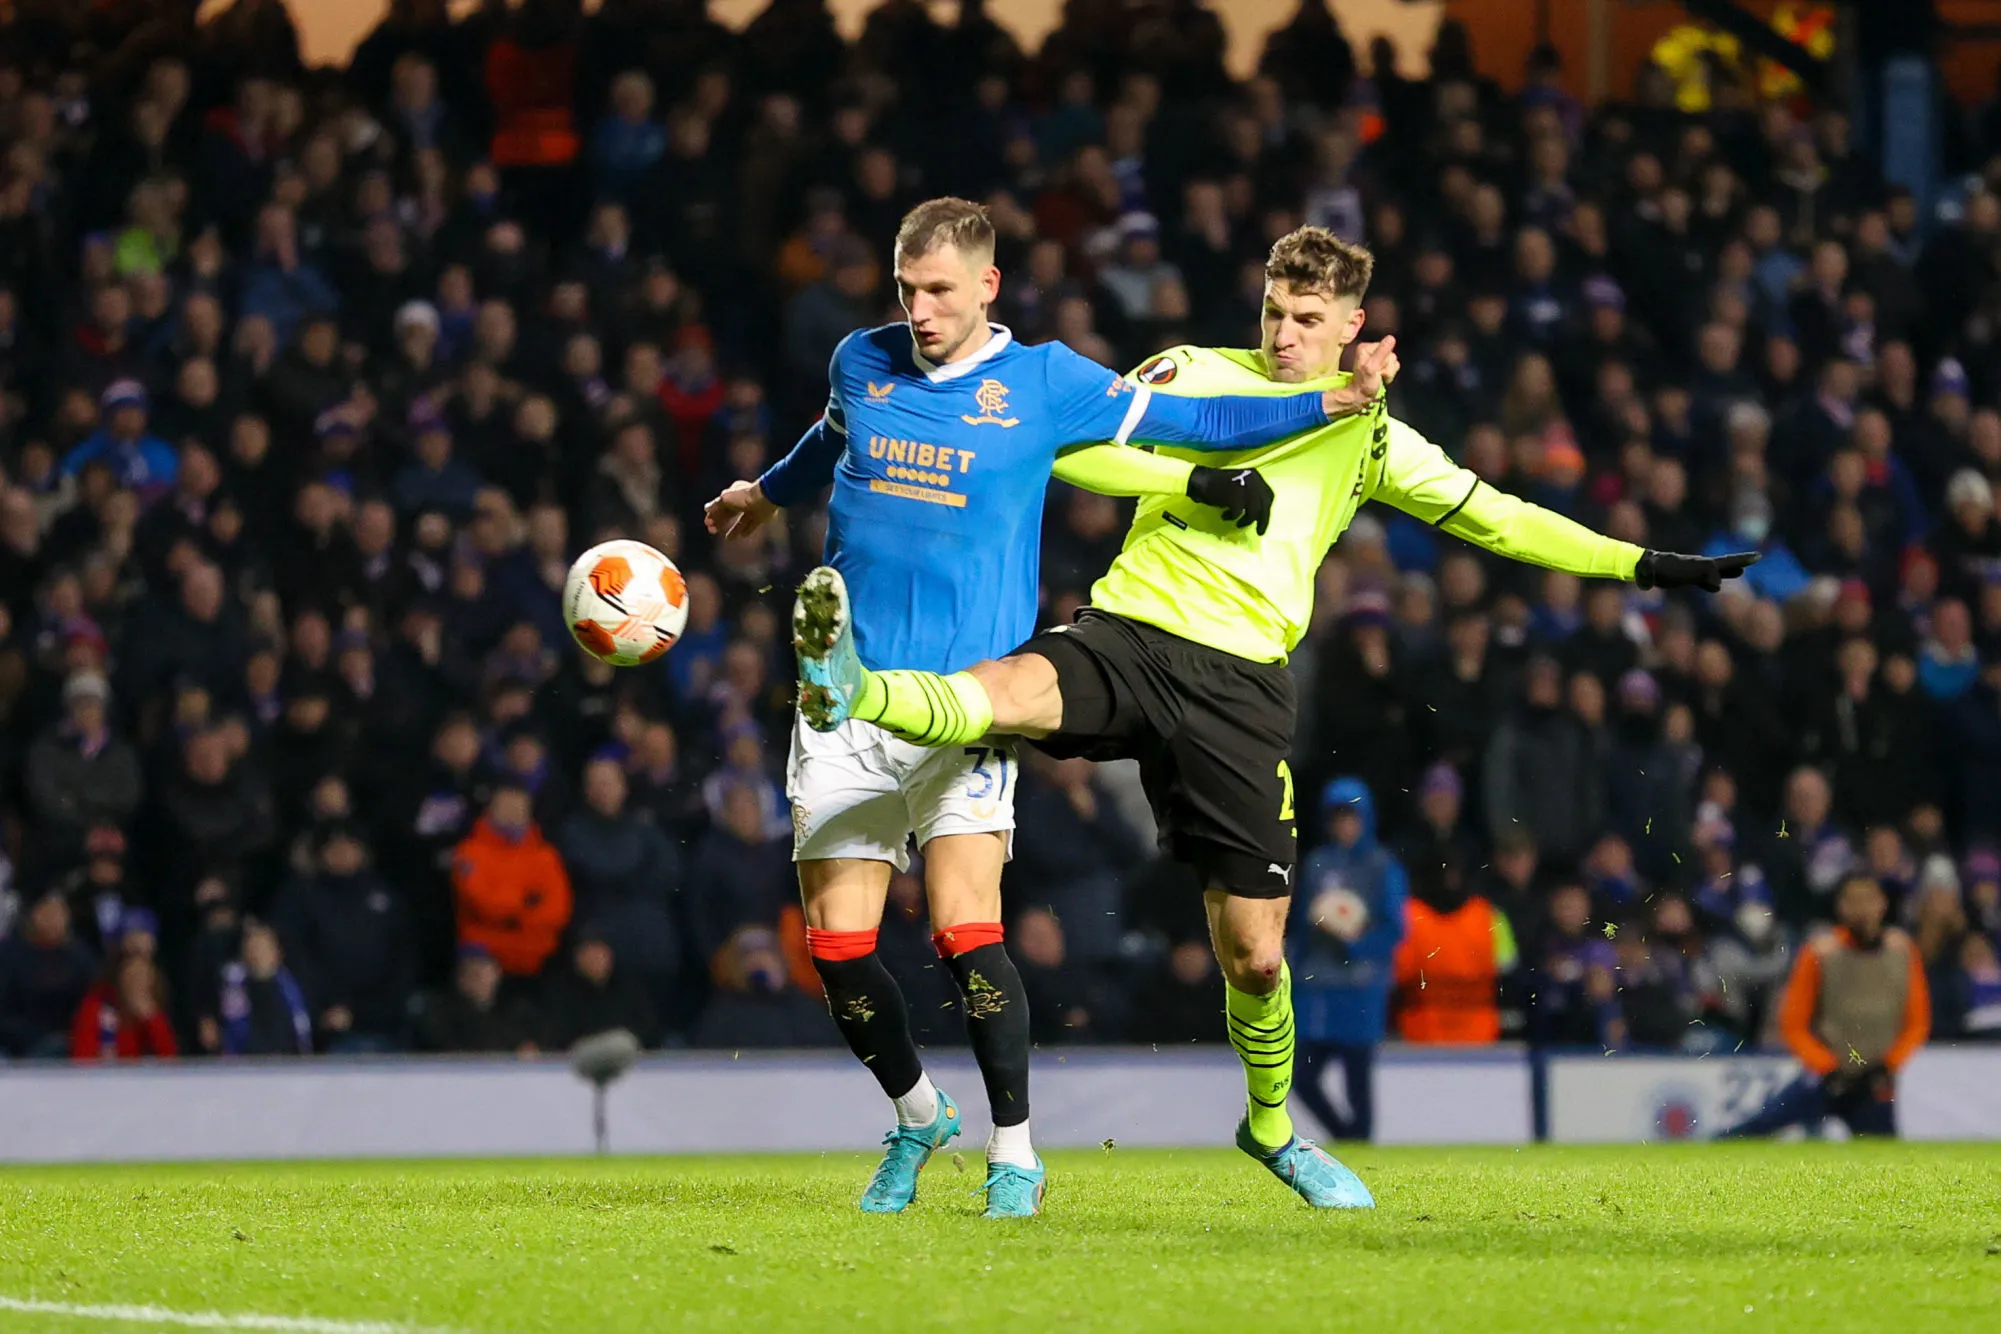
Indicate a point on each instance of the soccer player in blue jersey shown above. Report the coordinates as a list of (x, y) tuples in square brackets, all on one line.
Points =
[(940, 437)]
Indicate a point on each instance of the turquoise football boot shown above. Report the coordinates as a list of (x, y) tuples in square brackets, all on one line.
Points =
[(1015, 1192), (894, 1184), (830, 674), (1313, 1174)]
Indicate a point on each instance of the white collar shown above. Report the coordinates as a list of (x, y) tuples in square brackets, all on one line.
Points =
[(952, 370)]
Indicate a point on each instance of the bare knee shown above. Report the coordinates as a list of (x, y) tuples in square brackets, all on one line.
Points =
[(1253, 969), (1249, 935), (1249, 964)]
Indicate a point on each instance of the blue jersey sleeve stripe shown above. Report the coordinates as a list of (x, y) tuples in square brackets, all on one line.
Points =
[(1142, 395)]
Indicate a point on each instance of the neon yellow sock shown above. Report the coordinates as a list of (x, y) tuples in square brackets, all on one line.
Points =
[(926, 708), (1261, 1031)]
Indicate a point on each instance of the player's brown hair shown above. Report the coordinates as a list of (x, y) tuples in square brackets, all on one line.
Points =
[(1313, 259), (949, 220)]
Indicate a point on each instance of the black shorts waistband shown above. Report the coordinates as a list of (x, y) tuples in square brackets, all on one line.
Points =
[(1187, 650)]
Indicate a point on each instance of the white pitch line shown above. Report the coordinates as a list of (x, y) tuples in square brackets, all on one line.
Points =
[(160, 1315)]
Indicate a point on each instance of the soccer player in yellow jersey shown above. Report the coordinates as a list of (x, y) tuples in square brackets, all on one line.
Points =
[(1179, 661)]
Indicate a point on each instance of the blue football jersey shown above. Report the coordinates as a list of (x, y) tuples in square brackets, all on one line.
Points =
[(939, 474), (936, 519)]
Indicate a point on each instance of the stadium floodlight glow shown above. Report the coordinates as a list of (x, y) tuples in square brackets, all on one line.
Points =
[(601, 1059)]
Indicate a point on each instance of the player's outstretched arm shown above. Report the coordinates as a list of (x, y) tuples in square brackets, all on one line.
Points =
[(744, 507), (1239, 422), (1090, 404), (1120, 470), (1511, 526), (1242, 494), (1230, 421), (1419, 479)]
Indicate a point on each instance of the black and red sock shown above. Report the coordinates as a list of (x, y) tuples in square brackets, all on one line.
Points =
[(867, 1006), (996, 1013)]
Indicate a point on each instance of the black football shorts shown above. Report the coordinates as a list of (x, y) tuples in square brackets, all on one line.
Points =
[(1211, 731)]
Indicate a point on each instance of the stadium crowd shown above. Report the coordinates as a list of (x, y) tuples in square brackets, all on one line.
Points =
[(312, 382)]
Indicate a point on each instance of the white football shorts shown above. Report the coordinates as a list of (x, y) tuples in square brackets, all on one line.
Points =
[(858, 791)]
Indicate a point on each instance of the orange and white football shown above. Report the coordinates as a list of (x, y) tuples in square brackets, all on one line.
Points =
[(625, 602)]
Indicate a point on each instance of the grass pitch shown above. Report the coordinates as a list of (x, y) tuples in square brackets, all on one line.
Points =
[(1685, 1238)]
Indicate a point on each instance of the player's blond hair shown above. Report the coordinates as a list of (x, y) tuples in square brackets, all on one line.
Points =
[(1313, 259), (959, 223)]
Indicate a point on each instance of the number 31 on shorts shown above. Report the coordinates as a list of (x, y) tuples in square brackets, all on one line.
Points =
[(981, 781)]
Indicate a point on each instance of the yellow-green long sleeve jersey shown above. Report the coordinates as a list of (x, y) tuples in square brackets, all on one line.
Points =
[(1188, 571)]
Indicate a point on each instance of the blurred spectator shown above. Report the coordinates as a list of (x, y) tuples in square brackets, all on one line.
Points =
[(1656, 946), (1447, 970), (1068, 1001), (593, 994), (660, 784), (1980, 881), (1080, 850), (1649, 778), (626, 877), (628, 141), (101, 893), (1574, 988), (347, 934), (1976, 976), (1544, 772), (1514, 881), (1939, 927), (1872, 735), (1967, 544), (259, 1007), (1177, 1000), (121, 1017), (828, 310), (1138, 270), (1746, 951), (1809, 854), (279, 286), (44, 974), (216, 814), (756, 1002), (1442, 843), (1948, 663), (1361, 706), (80, 774), (434, 479), (1975, 722), (476, 1014), (139, 462), (739, 876), (1348, 917), (1855, 1010), (513, 893)]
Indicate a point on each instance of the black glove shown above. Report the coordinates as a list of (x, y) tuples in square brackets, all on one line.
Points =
[(1664, 569), (1241, 493)]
